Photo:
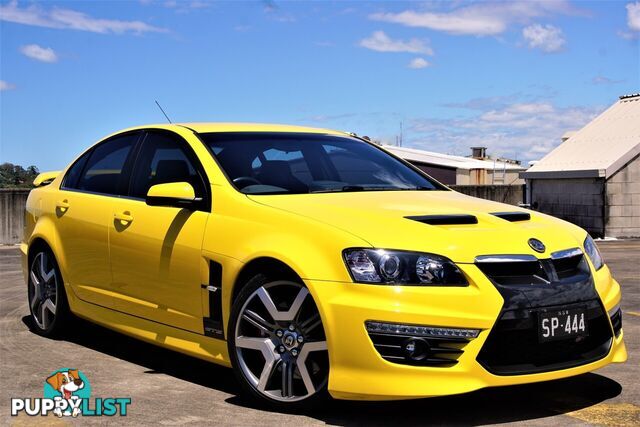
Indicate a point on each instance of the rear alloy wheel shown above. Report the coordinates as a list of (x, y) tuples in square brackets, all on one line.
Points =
[(279, 348), (47, 301)]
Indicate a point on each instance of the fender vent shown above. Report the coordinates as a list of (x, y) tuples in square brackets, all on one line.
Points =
[(213, 326), (513, 216), (444, 219)]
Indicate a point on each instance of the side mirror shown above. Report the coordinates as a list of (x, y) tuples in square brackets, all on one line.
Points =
[(172, 194)]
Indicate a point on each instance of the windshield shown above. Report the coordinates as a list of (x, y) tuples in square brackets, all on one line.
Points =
[(297, 163)]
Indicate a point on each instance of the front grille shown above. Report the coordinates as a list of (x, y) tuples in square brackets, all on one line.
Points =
[(425, 351), (528, 284), (524, 270), (512, 347)]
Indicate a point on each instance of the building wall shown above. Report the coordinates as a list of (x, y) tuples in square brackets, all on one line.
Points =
[(512, 178), (463, 177), (622, 211), (12, 203), (511, 194), (443, 174), (580, 201), (486, 177)]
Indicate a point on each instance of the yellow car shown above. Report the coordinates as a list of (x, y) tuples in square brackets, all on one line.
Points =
[(312, 260)]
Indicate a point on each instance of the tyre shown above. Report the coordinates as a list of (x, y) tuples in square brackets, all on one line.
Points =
[(46, 295), (277, 344)]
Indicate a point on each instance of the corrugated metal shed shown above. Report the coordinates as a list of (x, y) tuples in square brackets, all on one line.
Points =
[(599, 149), (447, 160)]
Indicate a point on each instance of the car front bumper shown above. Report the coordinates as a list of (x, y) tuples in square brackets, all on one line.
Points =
[(359, 372)]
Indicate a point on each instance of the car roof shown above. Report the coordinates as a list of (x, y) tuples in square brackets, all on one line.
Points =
[(206, 127)]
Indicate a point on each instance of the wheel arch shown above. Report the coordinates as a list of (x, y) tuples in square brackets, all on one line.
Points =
[(36, 243), (267, 265), (46, 233)]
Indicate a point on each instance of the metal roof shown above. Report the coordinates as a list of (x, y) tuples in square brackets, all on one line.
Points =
[(447, 160), (599, 149)]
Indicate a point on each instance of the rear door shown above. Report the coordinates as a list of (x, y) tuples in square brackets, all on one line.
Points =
[(156, 256), (83, 211)]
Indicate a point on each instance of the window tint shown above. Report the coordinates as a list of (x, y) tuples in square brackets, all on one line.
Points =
[(260, 163), (104, 167), (164, 158), (293, 159), (354, 168), (73, 174)]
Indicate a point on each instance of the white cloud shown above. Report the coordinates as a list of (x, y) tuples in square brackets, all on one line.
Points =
[(479, 19), (527, 130), (275, 13), (604, 80), (417, 63), (39, 53), (381, 42), (6, 86), (453, 23), (544, 37), (59, 18), (186, 6), (633, 16)]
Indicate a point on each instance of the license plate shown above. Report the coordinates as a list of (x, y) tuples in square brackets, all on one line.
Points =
[(558, 324)]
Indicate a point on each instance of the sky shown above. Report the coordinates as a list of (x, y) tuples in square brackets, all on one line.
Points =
[(511, 76)]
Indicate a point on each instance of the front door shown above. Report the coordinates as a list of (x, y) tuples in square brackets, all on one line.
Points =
[(156, 257)]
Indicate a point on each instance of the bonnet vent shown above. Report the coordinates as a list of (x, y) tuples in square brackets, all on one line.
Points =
[(444, 219), (513, 216)]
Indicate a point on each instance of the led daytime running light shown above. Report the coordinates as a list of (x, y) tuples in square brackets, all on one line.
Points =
[(420, 331)]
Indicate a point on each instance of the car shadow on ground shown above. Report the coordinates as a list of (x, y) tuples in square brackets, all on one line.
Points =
[(488, 406)]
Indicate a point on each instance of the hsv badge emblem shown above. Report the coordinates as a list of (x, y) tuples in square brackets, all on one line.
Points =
[(537, 245)]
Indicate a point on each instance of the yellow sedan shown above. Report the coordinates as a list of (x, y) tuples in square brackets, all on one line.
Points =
[(313, 261)]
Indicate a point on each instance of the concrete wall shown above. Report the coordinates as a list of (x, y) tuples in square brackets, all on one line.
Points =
[(622, 213), (511, 194), (12, 202), (580, 201)]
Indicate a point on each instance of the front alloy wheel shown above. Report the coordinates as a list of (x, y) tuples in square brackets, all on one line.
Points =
[(279, 347)]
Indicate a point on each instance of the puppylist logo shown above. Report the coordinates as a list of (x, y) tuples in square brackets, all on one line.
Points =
[(67, 393)]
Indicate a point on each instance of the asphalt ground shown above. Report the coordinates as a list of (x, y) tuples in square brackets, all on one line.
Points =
[(168, 388)]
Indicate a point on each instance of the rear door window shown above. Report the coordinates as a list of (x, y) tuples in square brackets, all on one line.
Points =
[(103, 170)]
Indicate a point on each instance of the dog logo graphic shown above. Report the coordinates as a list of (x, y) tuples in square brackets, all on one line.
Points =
[(67, 393), (70, 385)]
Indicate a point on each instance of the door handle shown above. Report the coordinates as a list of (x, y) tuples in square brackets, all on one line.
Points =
[(63, 205), (124, 217)]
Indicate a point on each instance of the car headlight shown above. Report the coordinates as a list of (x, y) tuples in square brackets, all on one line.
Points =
[(594, 254), (402, 268)]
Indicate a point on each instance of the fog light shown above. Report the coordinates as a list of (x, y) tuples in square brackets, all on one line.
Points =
[(415, 349), (420, 331)]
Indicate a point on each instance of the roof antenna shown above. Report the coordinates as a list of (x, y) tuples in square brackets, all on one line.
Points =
[(165, 114)]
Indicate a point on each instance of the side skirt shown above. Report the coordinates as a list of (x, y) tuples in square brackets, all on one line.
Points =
[(180, 340)]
